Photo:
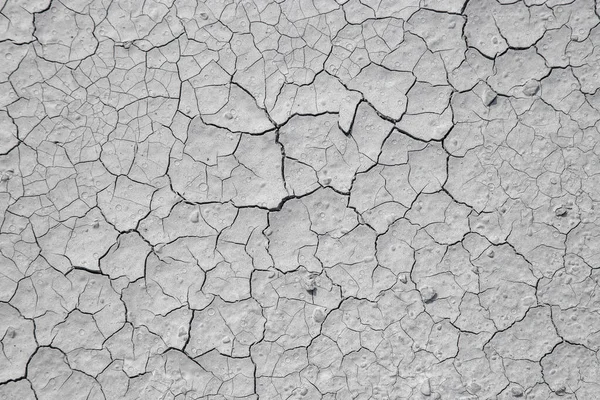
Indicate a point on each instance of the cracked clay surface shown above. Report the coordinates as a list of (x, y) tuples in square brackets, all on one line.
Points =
[(299, 199)]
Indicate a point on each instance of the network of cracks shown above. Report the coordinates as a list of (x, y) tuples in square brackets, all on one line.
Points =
[(296, 199)]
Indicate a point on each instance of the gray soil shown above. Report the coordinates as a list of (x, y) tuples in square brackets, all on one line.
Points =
[(299, 199)]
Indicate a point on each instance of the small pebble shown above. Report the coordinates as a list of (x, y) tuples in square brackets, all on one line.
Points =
[(428, 294), (561, 211), (318, 315), (531, 88), (426, 388)]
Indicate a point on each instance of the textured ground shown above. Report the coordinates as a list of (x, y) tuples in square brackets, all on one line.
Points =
[(295, 199)]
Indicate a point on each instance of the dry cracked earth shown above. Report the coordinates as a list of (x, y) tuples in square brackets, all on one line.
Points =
[(296, 199)]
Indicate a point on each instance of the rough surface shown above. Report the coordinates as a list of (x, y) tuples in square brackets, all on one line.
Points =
[(296, 199)]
